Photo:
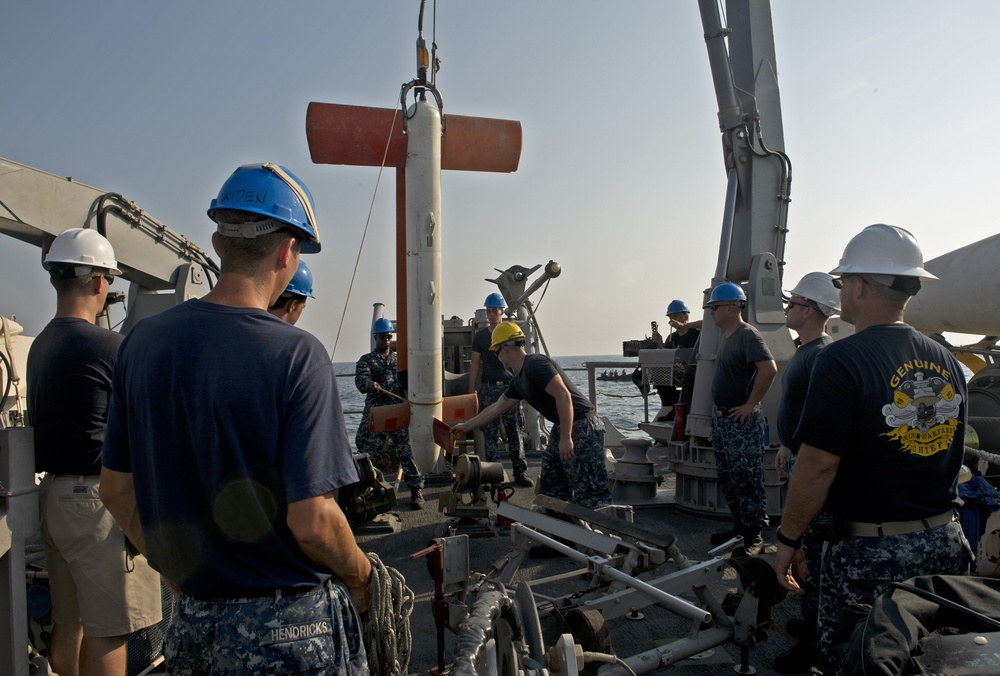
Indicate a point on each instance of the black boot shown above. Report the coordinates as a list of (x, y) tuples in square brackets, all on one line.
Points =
[(753, 543), (724, 535), (798, 659), (797, 627), (416, 498), (523, 480)]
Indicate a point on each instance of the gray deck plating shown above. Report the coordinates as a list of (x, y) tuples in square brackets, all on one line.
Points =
[(629, 636)]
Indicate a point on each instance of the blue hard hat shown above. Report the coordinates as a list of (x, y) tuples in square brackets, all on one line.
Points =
[(273, 191), (727, 291), (495, 300), (677, 306), (382, 325), (302, 282)]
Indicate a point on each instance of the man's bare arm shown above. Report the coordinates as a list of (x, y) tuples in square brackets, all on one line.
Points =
[(322, 531), (564, 405), (117, 492)]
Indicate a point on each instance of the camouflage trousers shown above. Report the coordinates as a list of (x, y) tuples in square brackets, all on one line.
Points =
[(812, 550), (860, 569), (584, 478), (739, 464), (373, 443), (316, 632), (513, 424)]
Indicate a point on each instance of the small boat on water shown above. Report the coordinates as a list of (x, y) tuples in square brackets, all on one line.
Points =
[(614, 375)]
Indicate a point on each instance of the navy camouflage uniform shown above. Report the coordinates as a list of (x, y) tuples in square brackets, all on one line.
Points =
[(739, 461), (891, 403), (739, 447), (860, 569), (316, 632), (381, 368), (513, 423), (584, 478), (812, 551), (795, 386)]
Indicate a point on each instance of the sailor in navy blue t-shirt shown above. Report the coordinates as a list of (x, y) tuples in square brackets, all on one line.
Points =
[(882, 440)]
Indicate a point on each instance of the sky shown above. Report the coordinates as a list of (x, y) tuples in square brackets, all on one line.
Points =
[(887, 109)]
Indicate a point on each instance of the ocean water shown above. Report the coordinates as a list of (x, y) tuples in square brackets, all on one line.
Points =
[(619, 400)]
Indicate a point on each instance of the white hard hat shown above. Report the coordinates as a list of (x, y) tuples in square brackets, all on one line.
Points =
[(85, 249), (883, 250), (818, 287)]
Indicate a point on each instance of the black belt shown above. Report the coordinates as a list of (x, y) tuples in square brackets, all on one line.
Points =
[(73, 476), (503, 383)]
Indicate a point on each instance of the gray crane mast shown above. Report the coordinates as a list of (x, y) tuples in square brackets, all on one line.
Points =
[(752, 242)]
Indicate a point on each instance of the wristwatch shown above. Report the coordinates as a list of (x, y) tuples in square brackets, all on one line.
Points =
[(787, 541)]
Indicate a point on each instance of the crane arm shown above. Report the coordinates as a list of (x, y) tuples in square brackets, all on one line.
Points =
[(36, 206)]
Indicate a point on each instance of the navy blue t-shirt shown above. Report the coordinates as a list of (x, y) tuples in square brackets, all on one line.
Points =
[(735, 369), (891, 403), (530, 382), (69, 385), (224, 416), (493, 370), (794, 385)]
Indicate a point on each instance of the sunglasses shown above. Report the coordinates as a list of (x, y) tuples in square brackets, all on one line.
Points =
[(838, 282), (792, 303), (713, 308)]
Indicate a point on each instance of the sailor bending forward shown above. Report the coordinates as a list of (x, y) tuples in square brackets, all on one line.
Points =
[(573, 463)]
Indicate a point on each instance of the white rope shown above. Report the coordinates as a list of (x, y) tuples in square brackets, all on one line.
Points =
[(991, 458), (387, 625)]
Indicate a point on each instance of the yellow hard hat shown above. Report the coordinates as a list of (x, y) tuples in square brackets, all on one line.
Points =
[(504, 332)]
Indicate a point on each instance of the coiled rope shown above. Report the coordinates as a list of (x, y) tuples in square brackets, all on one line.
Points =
[(388, 641)]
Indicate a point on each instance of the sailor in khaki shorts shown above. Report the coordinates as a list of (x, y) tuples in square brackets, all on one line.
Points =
[(101, 589)]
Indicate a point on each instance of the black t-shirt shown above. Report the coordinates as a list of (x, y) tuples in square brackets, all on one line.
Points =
[(892, 404), (676, 340), (69, 386), (529, 385), (735, 369), (794, 385), (493, 370)]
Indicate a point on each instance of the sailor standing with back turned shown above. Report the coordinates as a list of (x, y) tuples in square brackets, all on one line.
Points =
[(883, 435), (225, 443), (101, 589)]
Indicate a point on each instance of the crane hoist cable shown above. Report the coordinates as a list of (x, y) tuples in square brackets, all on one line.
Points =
[(425, 63)]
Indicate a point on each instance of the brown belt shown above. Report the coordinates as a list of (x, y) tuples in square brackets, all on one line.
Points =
[(887, 528)]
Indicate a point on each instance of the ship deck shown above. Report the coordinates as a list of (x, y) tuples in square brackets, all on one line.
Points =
[(629, 637)]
